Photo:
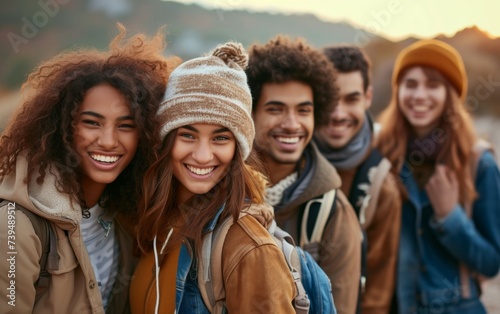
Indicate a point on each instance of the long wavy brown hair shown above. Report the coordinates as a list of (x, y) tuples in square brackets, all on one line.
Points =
[(457, 151), (158, 210), (43, 127)]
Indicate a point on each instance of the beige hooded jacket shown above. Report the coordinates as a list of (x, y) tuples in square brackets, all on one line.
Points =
[(73, 287)]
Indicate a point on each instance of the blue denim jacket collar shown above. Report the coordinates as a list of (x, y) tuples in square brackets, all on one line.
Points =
[(184, 266)]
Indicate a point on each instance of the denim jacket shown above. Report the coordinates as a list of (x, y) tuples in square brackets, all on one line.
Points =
[(188, 297), (431, 251)]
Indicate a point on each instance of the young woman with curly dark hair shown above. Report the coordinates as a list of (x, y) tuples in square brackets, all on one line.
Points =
[(74, 154)]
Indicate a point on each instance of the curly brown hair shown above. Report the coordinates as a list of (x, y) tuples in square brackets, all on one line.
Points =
[(283, 59), (43, 127)]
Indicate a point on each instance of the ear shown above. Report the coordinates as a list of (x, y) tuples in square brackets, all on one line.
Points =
[(368, 96)]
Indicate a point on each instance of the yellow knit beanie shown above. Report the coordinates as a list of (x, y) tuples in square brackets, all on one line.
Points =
[(436, 54), (213, 90)]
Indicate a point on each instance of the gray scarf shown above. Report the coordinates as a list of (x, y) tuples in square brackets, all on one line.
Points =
[(351, 155)]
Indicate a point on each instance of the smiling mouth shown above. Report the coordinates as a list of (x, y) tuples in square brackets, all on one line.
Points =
[(288, 140), (104, 159), (200, 171)]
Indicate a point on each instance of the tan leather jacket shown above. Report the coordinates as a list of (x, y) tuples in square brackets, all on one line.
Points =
[(73, 288)]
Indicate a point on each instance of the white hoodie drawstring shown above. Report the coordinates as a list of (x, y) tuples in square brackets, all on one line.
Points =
[(157, 268)]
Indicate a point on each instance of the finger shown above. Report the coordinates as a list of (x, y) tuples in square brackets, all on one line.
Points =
[(452, 177), (442, 174)]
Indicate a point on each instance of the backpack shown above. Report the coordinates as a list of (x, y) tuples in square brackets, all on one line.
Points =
[(479, 148), (363, 196), (49, 260), (314, 290)]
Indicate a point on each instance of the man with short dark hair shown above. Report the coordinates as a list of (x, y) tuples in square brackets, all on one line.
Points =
[(346, 141)]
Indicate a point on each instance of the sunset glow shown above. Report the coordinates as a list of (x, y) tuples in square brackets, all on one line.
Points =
[(394, 19)]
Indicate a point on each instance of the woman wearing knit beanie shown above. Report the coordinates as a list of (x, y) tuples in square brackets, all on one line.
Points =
[(204, 176), (450, 220)]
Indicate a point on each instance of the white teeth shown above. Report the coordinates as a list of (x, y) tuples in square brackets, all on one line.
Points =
[(420, 109), (288, 140), (102, 158), (200, 171)]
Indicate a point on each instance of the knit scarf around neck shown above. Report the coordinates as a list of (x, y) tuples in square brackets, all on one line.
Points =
[(351, 155)]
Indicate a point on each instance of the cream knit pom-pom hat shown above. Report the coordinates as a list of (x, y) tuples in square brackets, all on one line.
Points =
[(212, 90)]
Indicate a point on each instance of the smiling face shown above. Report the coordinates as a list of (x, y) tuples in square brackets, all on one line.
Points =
[(201, 156), (421, 100), (284, 122), (350, 113), (106, 137)]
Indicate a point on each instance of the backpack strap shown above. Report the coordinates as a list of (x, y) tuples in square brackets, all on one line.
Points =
[(210, 267), (479, 148), (285, 243), (49, 260), (210, 280), (314, 221)]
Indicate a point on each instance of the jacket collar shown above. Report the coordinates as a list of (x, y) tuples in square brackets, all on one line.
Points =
[(44, 200)]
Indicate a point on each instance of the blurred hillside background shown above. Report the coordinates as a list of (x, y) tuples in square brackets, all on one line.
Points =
[(35, 30), (32, 31)]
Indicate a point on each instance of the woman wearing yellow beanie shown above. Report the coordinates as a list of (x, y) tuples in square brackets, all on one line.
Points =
[(450, 219)]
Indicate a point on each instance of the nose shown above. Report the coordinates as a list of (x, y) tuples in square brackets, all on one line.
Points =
[(203, 153), (420, 91), (108, 138), (290, 122), (338, 112)]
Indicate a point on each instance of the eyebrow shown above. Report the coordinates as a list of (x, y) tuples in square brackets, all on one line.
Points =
[(353, 94), (279, 103), (100, 116), (192, 128)]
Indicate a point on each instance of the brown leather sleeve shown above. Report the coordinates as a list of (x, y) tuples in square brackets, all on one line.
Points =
[(256, 278), (383, 242), (340, 255)]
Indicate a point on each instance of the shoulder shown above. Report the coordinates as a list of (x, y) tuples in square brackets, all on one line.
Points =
[(247, 231)]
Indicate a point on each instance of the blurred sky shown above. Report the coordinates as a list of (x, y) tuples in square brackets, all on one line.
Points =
[(395, 19)]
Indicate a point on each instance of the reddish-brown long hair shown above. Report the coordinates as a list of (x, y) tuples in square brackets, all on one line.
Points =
[(455, 122), (158, 211)]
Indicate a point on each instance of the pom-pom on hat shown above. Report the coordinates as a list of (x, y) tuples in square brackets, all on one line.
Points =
[(213, 90), (436, 54)]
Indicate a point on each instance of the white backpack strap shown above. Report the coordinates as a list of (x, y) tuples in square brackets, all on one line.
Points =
[(210, 280), (285, 243), (319, 226), (367, 211)]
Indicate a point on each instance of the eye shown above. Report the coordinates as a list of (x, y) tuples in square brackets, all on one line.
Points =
[(306, 110), (221, 138), (127, 126), (90, 122), (273, 109), (434, 84), (186, 135), (410, 84), (352, 99)]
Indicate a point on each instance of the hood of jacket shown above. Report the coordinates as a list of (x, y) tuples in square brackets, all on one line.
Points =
[(42, 199), (316, 177)]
